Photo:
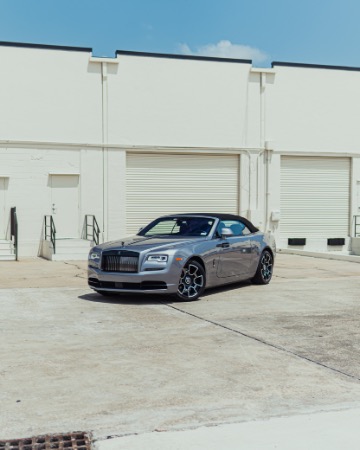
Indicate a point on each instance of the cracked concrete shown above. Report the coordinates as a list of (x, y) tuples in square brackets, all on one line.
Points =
[(299, 354)]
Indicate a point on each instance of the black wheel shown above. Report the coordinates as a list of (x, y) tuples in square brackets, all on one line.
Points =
[(192, 282), (265, 268)]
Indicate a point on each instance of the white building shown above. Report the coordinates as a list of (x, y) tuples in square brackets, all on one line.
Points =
[(132, 137)]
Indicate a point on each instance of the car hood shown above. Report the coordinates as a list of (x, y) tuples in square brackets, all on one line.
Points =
[(142, 243)]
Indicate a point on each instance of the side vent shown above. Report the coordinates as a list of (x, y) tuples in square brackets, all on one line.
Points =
[(336, 241), (296, 241)]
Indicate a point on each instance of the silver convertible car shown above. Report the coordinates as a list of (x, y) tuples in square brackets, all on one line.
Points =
[(182, 255)]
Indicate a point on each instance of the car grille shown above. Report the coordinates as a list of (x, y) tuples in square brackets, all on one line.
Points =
[(120, 261)]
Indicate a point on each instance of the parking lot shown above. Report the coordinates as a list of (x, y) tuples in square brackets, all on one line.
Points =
[(73, 360)]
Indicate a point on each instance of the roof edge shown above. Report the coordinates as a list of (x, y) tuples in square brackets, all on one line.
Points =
[(314, 66), (46, 46), (175, 56)]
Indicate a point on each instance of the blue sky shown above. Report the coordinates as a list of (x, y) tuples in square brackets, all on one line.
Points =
[(304, 31)]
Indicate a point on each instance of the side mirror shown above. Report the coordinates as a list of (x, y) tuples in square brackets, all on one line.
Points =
[(226, 232)]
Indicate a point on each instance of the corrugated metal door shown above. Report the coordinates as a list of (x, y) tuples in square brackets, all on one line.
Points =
[(315, 197), (159, 184)]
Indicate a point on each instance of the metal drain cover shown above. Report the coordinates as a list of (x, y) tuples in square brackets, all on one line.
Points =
[(72, 441)]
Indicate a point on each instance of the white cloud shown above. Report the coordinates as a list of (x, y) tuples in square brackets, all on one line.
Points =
[(226, 49)]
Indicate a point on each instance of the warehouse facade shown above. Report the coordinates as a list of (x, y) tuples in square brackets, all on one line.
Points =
[(129, 138)]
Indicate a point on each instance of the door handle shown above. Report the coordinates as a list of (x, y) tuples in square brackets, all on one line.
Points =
[(223, 245)]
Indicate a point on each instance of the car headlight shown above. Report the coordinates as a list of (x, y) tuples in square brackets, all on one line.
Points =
[(157, 258), (94, 256)]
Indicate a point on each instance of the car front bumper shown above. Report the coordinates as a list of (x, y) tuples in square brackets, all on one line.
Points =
[(149, 282)]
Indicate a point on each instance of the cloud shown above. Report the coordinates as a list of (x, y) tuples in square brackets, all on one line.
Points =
[(226, 49)]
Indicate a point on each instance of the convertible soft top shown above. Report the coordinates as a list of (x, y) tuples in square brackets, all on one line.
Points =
[(221, 216)]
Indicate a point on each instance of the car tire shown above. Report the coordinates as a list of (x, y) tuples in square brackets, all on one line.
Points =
[(264, 270), (192, 282)]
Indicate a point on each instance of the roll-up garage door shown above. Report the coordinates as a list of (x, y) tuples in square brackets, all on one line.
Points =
[(159, 184), (315, 197)]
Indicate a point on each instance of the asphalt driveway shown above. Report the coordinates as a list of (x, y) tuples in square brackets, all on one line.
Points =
[(72, 360)]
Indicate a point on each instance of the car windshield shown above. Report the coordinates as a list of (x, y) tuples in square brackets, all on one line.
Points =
[(179, 227)]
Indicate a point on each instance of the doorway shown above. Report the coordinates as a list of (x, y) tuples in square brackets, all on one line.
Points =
[(65, 205)]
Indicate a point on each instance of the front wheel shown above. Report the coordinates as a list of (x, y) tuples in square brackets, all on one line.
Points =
[(192, 282), (265, 268)]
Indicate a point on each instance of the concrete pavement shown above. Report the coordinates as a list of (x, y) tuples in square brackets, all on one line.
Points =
[(321, 431), (246, 355), (40, 273)]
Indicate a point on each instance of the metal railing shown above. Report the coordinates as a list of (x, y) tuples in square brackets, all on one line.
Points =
[(14, 230), (356, 226), (50, 231), (92, 229)]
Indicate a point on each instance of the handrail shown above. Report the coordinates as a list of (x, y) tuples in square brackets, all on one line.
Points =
[(49, 223), (94, 233), (356, 226), (14, 230)]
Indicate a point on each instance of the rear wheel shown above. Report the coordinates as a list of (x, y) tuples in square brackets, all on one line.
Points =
[(192, 282), (265, 268)]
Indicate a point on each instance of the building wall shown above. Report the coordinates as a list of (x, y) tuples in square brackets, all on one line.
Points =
[(313, 109), (65, 111), (49, 95), (28, 171), (50, 102), (180, 103)]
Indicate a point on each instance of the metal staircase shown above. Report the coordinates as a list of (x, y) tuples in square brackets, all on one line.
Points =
[(69, 249), (9, 247), (7, 251)]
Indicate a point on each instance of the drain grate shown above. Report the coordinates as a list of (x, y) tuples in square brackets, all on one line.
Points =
[(72, 441)]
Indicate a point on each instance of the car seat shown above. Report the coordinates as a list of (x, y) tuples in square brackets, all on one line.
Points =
[(237, 229)]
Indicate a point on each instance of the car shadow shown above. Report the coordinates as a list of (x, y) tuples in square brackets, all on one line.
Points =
[(153, 299), (129, 299), (226, 288)]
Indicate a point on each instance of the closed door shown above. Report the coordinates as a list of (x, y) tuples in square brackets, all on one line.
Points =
[(65, 205), (159, 184), (3, 218), (236, 257), (315, 197)]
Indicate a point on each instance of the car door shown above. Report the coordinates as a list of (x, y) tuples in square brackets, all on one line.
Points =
[(235, 252)]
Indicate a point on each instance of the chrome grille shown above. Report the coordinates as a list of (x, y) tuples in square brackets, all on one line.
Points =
[(120, 261)]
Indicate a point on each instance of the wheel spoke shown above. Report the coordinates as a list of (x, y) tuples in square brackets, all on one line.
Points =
[(266, 266), (191, 281)]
